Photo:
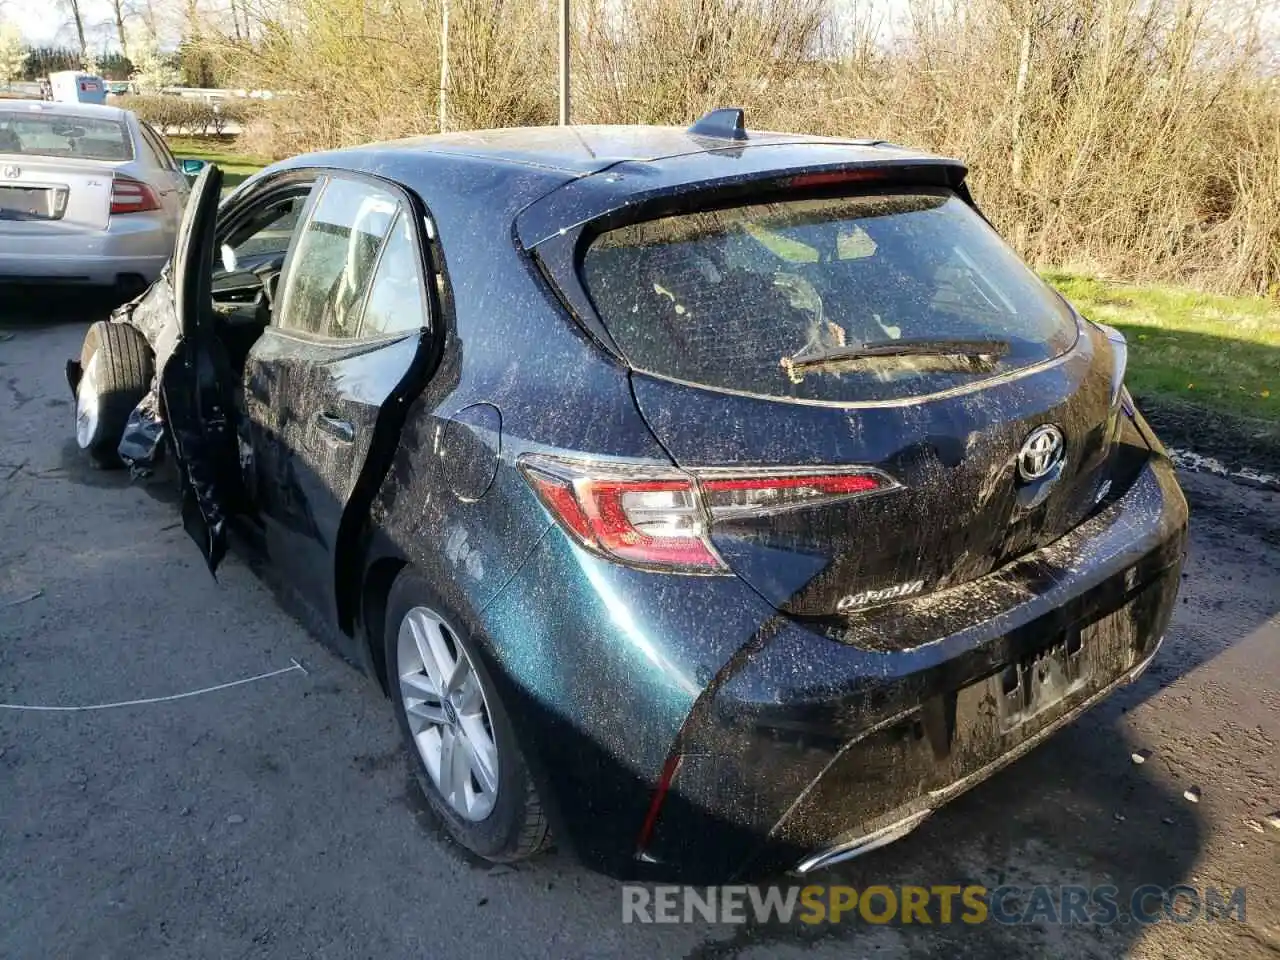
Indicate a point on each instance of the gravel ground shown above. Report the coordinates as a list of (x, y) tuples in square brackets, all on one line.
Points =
[(277, 818)]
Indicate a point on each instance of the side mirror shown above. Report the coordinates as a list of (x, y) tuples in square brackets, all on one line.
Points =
[(191, 167), (229, 260)]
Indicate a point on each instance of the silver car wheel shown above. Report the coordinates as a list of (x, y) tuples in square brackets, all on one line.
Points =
[(87, 401), (448, 714)]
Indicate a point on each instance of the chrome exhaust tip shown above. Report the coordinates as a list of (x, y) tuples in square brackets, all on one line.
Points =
[(865, 844)]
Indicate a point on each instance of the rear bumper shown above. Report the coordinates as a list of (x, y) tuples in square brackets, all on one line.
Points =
[(810, 747), (135, 245), (901, 821), (789, 738)]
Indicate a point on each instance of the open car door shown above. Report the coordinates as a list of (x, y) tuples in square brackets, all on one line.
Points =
[(194, 378)]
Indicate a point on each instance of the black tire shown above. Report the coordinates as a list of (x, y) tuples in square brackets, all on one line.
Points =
[(121, 378), (516, 827)]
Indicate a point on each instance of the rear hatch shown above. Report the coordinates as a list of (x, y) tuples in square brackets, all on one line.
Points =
[(56, 172), (887, 330)]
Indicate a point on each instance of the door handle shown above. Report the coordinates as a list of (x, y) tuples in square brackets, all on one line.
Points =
[(336, 427)]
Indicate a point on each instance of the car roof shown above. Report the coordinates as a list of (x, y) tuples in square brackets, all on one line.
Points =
[(59, 108), (582, 150), (490, 176)]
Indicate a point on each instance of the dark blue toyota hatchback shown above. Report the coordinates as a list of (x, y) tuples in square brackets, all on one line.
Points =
[(714, 502)]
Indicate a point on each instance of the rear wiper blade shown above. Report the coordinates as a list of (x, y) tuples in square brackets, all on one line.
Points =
[(983, 349)]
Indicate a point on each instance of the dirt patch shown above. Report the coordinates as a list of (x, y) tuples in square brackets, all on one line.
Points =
[(1236, 511), (1238, 442)]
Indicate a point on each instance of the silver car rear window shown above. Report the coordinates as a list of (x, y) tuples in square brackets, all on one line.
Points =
[(50, 135), (729, 298)]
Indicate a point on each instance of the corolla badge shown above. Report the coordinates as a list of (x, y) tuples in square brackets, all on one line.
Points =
[(1040, 453), (868, 597)]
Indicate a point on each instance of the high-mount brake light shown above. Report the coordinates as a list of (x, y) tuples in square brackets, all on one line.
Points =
[(660, 518), (829, 178)]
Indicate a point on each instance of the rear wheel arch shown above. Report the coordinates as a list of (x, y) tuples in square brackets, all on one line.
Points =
[(517, 827), (381, 573)]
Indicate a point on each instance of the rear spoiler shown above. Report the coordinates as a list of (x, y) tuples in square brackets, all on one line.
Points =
[(630, 190)]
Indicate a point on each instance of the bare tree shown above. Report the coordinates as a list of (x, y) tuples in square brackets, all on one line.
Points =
[(117, 8), (73, 6), (149, 17)]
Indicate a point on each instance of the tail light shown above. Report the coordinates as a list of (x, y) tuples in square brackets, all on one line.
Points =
[(132, 196), (660, 518), (1121, 402)]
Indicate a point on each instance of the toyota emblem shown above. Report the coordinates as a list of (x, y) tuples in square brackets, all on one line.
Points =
[(11, 172), (1040, 453)]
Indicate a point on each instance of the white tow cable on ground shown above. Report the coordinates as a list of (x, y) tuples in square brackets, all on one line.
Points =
[(294, 665), (1198, 463)]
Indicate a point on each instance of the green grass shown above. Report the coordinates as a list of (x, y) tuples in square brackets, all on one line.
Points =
[(236, 167), (1222, 352)]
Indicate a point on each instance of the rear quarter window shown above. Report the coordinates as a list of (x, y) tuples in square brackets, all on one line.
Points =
[(728, 298)]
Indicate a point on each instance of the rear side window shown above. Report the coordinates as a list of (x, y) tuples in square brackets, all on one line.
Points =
[(733, 298), (331, 267), (40, 134), (396, 302)]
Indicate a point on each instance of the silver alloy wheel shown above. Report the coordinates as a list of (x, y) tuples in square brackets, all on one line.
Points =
[(87, 400), (448, 714)]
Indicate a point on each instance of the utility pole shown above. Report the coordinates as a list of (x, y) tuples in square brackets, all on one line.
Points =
[(564, 62), (444, 64)]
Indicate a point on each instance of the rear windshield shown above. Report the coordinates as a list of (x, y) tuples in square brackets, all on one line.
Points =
[(49, 135), (772, 299)]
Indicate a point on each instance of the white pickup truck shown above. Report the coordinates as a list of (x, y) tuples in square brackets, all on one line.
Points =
[(72, 86)]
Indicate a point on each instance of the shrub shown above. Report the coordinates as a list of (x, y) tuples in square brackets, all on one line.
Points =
[(187, 115)]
